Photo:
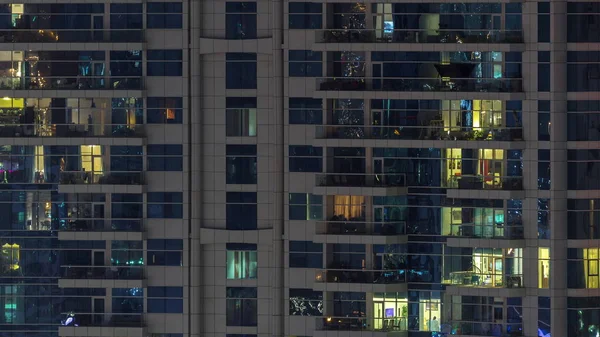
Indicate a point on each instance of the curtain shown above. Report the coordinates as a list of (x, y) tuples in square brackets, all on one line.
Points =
[(350, 207)]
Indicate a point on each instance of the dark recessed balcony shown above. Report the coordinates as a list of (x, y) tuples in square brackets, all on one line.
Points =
[(417, 36), (360, 228), (71, 130), (71, 83), (487, 328), (392, 276), (361, 180), (420, 84), (418, 132), (102, 273), (71, 35), (101, 178), (378, 324), (490, 182), (103, 320), (101, 225)]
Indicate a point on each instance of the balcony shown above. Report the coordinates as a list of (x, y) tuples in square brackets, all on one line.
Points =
[(360, 276), (102, 325), (361, 180), (419, 132), (71, 35), (102, 273), (389, 324), (100, 229), (101, 277), (71, 83), (360, 184), (101, 178), (71, 130), (359, 232), (470, 283), (487, 231), (417, 36), (466, 186), (478, 328), (499, 85)]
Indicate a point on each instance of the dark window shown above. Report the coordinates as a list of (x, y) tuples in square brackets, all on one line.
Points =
[(544, 71), (544, 169), (164, 252), (544, 21), (583, 216), (164, 110), (165, 62), (583, 71), (306, 302), (127, 206), (544, 120), (583, 22), (241, 164), (126, 69), (165, 205), (164, 15), (305, 63), (583, 120), (167, 300), (304, 206), (306, 254), (305, 110), (305, 158), (125, 158), (242, 306), (240, 20), (583, 169), (240, 117), (127, 253), (164, 157), (241, 211), (240, 71), (126, 16), (128, 301), (305, 15)]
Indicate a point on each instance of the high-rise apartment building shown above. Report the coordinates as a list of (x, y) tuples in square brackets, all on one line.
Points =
[(283, 168)]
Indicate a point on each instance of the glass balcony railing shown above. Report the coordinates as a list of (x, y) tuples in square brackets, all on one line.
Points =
[(418, 132), (489, 182), (360, 276), (125, 320), (71, 130), (361, 323), (485, 280), (361, 228), (417, 36), (102, 273), (487, 231), (361, 180), (419, 84), (102, 178), (70, 35), (478, 328), (71, 83), (101, 225)]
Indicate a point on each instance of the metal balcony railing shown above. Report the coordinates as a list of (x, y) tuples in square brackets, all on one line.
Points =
[(70, 35), (487, 231), (417, 36), (361, 276), (361, 180), (419, 84), (128, 320), (102, 178), (487, 182), (102, 272), (71, 83), (485, 280), (101, 225), (361, 323), (71, 130), (418, 132), (387, 228)]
